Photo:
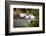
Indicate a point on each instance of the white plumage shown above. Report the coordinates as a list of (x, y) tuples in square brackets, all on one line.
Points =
[(31, 16), (27, 16), (22, 14)]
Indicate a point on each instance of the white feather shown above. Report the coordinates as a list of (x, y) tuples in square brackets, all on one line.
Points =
[(27, 17), (22, 14), (31, 16)]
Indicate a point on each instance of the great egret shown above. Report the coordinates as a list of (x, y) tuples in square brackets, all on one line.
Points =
[(27, 16)]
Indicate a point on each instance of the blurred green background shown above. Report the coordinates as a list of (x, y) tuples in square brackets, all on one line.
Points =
[(35, 12)]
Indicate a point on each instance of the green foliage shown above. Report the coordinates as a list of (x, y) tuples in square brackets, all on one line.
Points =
[(35, 12), (33, 23)]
